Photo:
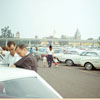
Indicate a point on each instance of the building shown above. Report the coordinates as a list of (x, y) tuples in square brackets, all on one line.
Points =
[(17, 35), (77, 35)]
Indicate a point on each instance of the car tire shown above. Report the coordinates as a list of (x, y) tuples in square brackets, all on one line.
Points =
[(88, 66), (69, 62)]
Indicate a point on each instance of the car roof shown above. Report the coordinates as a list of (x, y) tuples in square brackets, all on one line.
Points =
[(97, 51), (76, 50), (7, 73)]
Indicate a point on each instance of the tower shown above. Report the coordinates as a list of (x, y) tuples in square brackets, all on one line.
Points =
[(77, 35), (54, 33), (17, 35)]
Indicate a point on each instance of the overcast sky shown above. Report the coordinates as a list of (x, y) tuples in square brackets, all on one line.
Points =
[(42, 17)]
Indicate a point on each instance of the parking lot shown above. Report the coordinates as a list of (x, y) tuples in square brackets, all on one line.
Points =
[(68, 80), (94, 71), (72, 82)]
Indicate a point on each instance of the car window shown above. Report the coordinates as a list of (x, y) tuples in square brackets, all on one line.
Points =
[(72, 52), (93, 54), (42, 50), (56, 51), (27, 88), (1, 58), (83, 54)]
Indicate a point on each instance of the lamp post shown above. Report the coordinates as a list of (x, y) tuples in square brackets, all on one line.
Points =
[(6, 41)]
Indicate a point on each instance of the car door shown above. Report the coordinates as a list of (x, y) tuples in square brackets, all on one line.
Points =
[(86, 55), (79, 57), (96, 62)]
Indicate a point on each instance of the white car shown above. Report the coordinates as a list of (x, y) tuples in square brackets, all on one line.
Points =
[(23, 83), (58, 53), (91, 62), (75, 59), (68, 56)]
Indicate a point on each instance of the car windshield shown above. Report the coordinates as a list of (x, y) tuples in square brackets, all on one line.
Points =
[(42, 49), (92, 54), (27, 88), (72, 52), (1, 58)]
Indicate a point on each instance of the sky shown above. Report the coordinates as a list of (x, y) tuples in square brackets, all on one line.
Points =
[(43, 17)]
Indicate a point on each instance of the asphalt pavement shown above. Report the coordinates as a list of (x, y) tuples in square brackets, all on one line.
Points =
[(72, 82)]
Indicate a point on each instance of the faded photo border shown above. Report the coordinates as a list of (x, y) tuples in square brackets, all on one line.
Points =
[(55, 99)]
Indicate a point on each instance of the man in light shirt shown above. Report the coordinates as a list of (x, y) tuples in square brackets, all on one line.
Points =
[(12, 57)]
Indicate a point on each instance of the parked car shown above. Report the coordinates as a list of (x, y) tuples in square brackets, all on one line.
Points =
[(42, 51), (58, 53), (72, 59), (67, 56), (91, 62), (23, 83)]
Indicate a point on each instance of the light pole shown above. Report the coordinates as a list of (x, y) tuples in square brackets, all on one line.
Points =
[(6, 41)]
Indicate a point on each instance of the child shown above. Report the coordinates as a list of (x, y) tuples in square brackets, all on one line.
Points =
[(55, 61), (44, 61)]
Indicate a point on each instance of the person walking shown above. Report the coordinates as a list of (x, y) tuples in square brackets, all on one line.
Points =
[(44, 61), (50, 56), (37, 54), (31, 50)]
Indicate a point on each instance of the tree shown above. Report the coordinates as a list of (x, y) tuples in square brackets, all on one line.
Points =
[(6, 33)]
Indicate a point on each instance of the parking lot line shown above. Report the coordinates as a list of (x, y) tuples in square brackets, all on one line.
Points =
[(85, 71), (89, 72)]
